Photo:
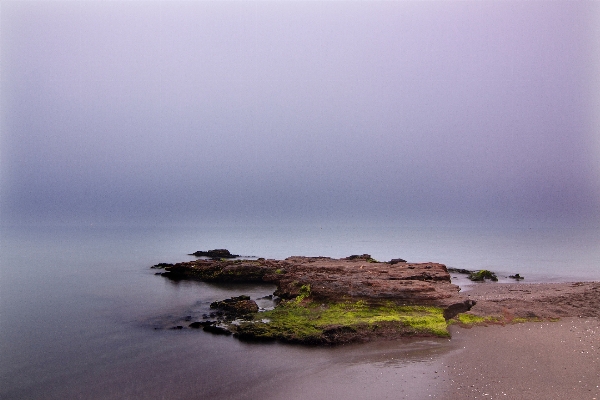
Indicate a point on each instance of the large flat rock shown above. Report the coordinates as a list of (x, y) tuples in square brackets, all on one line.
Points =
[(352, 278)]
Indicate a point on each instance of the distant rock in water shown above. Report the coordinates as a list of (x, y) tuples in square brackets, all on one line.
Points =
[(359, 257), (480, 276), (216, 253), (161, 266), (364, 257)]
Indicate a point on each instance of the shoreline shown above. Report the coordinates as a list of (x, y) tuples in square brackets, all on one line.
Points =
[(326, 301), (531, 360)]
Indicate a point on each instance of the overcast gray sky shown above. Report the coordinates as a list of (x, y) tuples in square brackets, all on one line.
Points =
[(283, 111)]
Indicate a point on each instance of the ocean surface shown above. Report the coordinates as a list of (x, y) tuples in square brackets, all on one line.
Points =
[(82, 315)]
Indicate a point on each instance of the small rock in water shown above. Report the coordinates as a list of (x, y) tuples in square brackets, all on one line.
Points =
[(217, 330), (161, 265), (197, 325), (216, 253), (480, 276)]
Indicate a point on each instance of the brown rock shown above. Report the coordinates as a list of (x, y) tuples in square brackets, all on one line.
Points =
[(354, 277)]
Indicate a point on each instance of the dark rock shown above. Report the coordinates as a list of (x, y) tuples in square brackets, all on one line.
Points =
[(365, 257), (480, 276), (177, 327), (460, 271), (215, 254), (396, 261), (457, 308), (516, 277), (339, 334), (236, 306), (198, 325), (161, 266), (217, 330), (222, 270)]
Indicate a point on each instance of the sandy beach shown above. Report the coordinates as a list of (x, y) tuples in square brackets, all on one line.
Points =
[(534, 360), (548, 359), (531, 360)]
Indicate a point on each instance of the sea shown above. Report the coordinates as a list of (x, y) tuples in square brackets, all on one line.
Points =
[(83, 316)]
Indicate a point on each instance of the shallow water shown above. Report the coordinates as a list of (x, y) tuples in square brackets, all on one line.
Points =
[(83, 316)]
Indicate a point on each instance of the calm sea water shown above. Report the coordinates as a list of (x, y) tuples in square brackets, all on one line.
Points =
[(83, 316)]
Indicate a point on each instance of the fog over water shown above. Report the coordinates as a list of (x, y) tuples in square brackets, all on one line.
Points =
[(386, 112)]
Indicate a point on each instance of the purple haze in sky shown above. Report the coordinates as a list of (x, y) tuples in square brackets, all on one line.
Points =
[(395, 112)]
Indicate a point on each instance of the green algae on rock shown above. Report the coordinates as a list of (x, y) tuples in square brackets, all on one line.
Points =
[(482, 275), (311, 322)]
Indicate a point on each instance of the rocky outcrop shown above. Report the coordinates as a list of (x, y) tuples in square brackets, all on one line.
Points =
[(322, 300), (357, 277)]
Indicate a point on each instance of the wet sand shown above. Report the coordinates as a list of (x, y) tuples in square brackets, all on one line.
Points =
[(395, 369), (534, 360)]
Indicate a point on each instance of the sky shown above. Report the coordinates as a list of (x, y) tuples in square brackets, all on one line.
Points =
[(279, 111)]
